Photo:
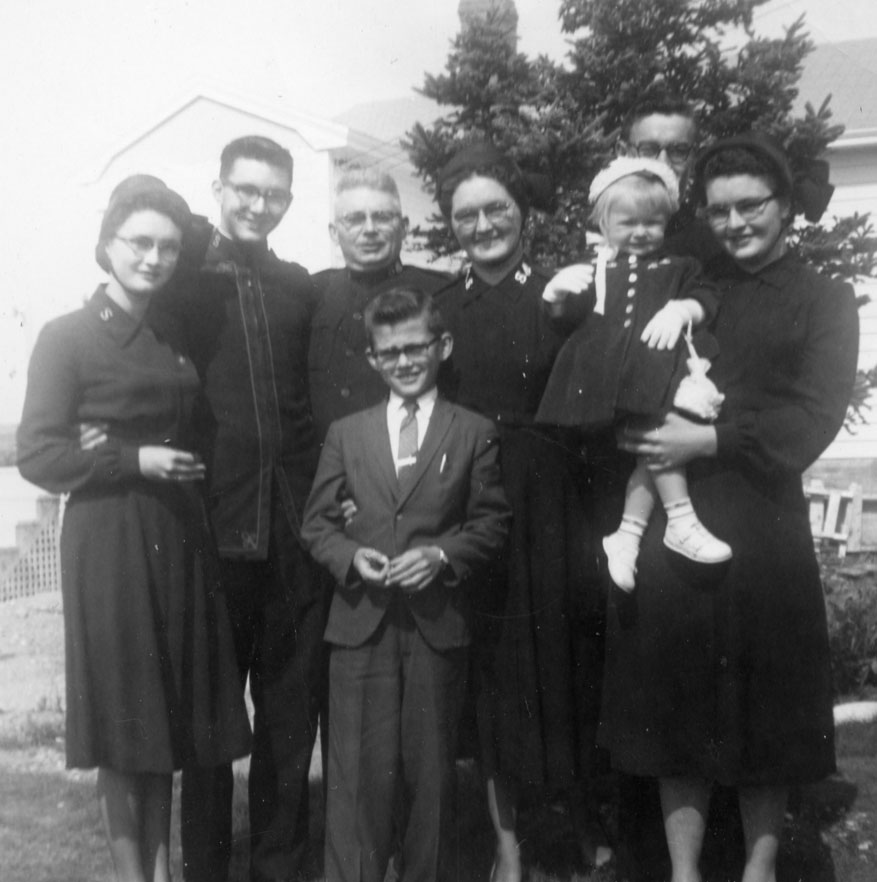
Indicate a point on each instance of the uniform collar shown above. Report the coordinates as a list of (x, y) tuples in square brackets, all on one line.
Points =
[(249, 254), (513, 283), (375, 277), (121, 326)]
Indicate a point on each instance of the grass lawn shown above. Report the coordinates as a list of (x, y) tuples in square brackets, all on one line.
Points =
[(50, 829)]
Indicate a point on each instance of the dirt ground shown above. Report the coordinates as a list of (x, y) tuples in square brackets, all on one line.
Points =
[(31, 657)]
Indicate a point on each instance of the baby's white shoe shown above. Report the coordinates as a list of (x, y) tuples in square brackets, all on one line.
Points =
[(622, 550), (692, 540)]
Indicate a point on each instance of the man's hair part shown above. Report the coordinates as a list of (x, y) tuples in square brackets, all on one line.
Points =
[(254, 147), (660, 104)]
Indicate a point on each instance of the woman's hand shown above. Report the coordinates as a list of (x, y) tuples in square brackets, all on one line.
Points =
[(158, 463), (671, 444)]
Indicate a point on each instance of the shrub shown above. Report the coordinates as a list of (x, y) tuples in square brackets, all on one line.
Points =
[(851, 606)]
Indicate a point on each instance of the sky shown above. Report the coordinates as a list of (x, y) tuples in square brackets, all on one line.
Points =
[(79, 77)]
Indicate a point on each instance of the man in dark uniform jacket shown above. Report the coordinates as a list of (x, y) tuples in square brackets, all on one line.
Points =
[(247, 317), (369, 228), (663, 126)]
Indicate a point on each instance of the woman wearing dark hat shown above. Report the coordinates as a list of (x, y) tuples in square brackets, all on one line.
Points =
[(151, 676), (724, 676), (538, 653)]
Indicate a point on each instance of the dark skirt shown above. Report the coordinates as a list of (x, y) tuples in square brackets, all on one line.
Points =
[(152, 681), (537, 647), (723, 672)]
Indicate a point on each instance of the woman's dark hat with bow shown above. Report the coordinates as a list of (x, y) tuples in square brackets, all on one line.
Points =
[(804, 181), (529, 190)]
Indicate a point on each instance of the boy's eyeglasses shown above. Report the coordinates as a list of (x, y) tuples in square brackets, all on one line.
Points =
[(168, 250), (413, 351), (495, 212), (248, 195), (677, 151), (748, 209)]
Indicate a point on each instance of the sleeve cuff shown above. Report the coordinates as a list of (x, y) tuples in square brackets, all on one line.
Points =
[(727, 440), (129, 459)]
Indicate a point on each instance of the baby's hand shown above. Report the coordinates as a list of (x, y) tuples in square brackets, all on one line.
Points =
[(663, 331), (570, 280)]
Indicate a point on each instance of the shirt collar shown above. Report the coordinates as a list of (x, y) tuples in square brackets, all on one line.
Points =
[(777, 274), (425, 403)]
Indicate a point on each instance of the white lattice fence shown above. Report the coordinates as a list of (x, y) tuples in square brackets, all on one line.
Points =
[(37, 566)]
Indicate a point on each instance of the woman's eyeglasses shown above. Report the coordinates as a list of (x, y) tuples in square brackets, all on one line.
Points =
[(413, 351), (168, 249), (495, 212), (718, 215)]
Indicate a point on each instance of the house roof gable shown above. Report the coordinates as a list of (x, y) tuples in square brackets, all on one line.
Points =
[(319, 133)]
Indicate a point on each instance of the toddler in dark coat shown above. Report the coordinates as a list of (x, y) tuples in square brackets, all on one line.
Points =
[(627, 357)]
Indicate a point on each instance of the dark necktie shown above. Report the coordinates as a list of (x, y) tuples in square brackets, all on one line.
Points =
[(407, 441)]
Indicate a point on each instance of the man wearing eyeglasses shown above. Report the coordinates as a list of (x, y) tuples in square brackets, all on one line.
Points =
[(369, 228), (247, 316), (663, 126)]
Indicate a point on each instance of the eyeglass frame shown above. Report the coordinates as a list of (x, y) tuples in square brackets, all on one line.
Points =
[(412, 351), (354, 222), (168, 249), (495, 212), (747, 210), (276, 200), (677, 151)]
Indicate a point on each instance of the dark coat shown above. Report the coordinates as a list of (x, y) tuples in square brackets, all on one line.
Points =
[(723, 672), (453, 499), (246, 317), (149, 660)]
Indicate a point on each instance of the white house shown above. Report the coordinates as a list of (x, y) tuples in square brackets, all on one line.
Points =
[(847, 71), (182, 146)]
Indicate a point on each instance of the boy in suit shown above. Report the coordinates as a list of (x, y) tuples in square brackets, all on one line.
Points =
[(424, 476)]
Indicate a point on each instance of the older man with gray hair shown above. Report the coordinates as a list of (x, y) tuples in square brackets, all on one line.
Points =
[(369, 228)]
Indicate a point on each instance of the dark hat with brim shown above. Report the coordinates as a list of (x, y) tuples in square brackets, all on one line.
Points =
[(528, 189), (804, 181)]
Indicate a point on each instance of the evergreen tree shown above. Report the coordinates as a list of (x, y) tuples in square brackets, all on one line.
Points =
[(563, 120)]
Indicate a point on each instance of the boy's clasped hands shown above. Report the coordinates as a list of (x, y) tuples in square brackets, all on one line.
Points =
[(411, 571)]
